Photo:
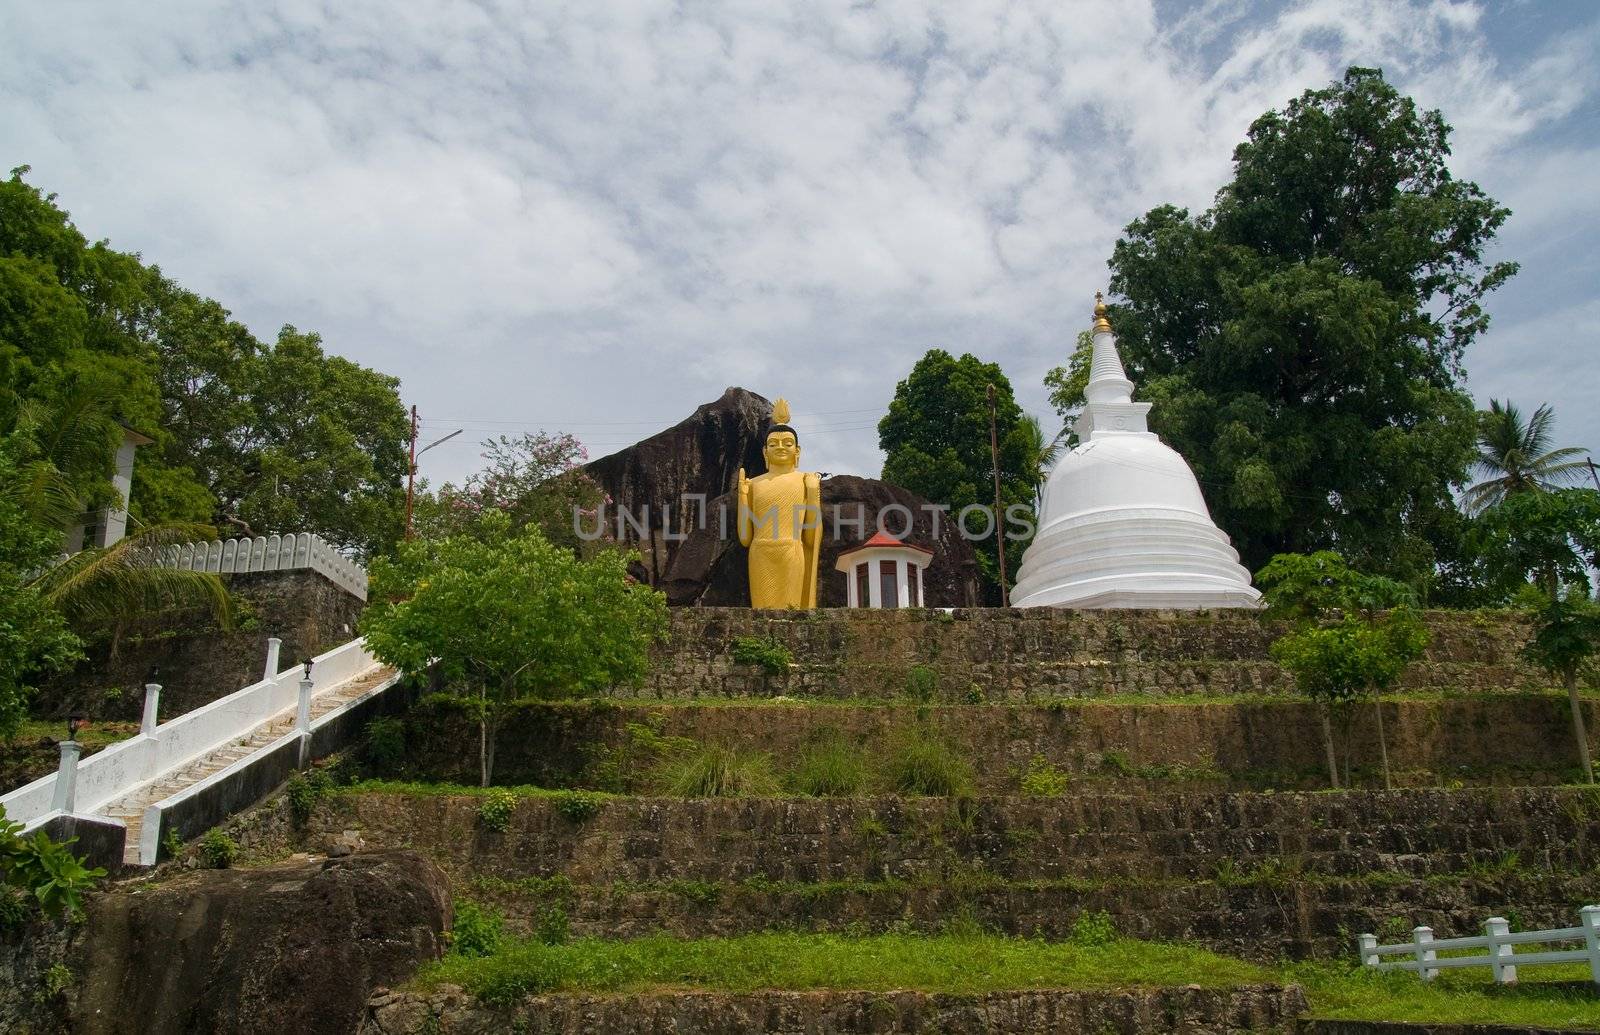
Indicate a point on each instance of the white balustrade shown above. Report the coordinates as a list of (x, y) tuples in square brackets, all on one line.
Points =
[(270, 553), (1500, 953)]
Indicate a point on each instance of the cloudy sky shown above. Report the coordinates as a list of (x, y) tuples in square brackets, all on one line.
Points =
[(594, 216)]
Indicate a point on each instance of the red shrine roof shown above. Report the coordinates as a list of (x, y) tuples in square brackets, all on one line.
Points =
[(884, 539)]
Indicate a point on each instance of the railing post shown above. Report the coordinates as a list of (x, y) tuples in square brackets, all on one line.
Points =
[(1423, 937), (1591, 938), (1500, 953), (1365, 943), (152, 706), (66, 792), (274, 645), (302, 717)]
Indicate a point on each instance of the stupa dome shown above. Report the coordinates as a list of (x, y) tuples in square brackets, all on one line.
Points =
[(1122, 522)]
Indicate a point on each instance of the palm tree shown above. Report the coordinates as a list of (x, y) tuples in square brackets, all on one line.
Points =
[(1515, 456), (1040, 453)]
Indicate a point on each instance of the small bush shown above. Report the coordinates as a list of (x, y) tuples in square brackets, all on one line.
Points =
[(551, 927), (577, 806), (1044, 780), (772, 657), (218, 849), (476, 931), (922, 682), (173, 843), (385, 746), (975, 694), (716, 771), (495, 811), (922, 764), (831, 767), (45, 870), (14, 909), (1092, 929), (304, 790)]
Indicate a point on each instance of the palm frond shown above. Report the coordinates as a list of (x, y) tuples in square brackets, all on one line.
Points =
[(128, 579)]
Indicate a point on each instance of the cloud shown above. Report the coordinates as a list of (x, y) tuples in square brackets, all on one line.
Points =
[(595, 216)]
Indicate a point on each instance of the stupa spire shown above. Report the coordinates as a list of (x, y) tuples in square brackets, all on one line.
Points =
[(1108, 382)]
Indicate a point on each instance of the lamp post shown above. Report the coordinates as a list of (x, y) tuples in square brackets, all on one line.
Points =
[(65, 796), (302, 715)]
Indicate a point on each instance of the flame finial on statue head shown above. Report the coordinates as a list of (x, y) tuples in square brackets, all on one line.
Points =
[(1100, 321), (780, 411)]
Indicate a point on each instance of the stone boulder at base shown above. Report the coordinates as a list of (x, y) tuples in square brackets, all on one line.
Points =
[(709, 568), (297, 947)]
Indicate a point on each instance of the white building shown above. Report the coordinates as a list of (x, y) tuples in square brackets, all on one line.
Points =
[(1122, 522), (108, 526), (884, 572)]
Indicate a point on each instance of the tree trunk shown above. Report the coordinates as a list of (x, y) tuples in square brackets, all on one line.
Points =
[(1327, 742), (116, 640), (1383, 744), (1571, 679), (483, 751)]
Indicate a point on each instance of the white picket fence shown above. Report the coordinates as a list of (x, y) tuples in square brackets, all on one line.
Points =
[(270, 553), (1500, 945)]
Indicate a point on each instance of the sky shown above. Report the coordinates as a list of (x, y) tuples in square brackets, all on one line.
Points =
[(592, 217)]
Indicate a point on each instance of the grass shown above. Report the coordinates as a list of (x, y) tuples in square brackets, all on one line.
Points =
[(922, 764), (830, 767), (963, 964), (717, 771), (1342, 991), (93, 736)]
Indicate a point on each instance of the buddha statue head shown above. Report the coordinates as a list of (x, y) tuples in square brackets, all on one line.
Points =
[(782, 449)]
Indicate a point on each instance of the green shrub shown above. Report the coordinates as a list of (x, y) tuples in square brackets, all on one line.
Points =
[(1044, 780), (975, 694), (44, 869), (919, 763), (14, 909), (172, 842), (831, 767), (550, 927), (1093, 929), (495, 810), (385, 746), (577, 806), (772, 657), (304, 790), (218, 849), (922, 682), (476, 931), (717, 771)]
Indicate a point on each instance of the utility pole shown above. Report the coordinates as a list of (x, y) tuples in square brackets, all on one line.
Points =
[(411, 471), (994, 462)]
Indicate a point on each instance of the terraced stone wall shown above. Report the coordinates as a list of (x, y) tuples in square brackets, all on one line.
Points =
[(1012, 655), (1256, 875)]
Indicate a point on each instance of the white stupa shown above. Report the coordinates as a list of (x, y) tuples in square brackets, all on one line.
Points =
[(1122, 522)]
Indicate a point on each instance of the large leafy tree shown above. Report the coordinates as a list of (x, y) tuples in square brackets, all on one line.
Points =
[(509, 615), (253, 437), (1515, 456), (1302, 339), (1548, 538), (936, 440)]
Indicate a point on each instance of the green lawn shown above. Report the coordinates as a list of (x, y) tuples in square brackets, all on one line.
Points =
[(93, 737), (977, 963)]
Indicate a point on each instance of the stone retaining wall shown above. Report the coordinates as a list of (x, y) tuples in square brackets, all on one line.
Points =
[(1038, 653), (1189, 1010), (1506, 738)]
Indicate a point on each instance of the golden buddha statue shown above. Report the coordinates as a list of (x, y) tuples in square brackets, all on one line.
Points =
[(780, 520)]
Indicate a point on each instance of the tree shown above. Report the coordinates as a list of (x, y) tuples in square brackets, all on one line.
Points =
[(1514, 456), (1550, 537), (1565, 635), (936, 440), (1302, 339), (507, 616), (1039, 454), (34, 638), (535, 479), (1068, 383), (1352, 634)]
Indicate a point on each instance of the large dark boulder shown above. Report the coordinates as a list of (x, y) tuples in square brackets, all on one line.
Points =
[(710, 569), (699, 455), (297, 947)]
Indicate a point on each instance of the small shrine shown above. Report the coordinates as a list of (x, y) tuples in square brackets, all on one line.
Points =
[(884, 572)]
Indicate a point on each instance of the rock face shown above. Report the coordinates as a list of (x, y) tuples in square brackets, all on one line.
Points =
[(699, 455), (290, 948), (706, 566)]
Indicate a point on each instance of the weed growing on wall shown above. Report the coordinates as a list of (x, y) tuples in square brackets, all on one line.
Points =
[(476, 931), (830, 766), (717, 771), (494, 812), (921, 763), (218, 849), (769, 655), (1042, 779)]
